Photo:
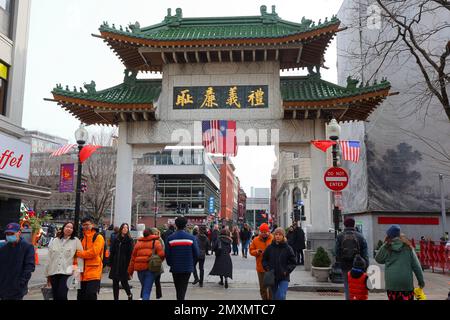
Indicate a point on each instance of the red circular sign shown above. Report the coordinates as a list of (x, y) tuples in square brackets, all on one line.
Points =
[(336, 179)]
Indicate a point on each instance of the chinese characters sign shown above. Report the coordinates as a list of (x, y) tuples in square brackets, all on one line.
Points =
[(218, 97), (66, 178)]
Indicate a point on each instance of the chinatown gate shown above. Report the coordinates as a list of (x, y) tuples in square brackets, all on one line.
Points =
[(222, 69)]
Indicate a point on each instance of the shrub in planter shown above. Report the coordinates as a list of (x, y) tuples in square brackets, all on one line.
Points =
[(321, 259)]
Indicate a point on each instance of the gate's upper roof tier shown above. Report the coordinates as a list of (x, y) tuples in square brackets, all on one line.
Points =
[(222, 39), (307, 97)]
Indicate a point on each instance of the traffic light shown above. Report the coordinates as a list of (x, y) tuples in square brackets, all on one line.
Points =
[(297, 214)]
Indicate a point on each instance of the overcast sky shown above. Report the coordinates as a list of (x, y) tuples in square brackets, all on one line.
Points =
[(62, 50)]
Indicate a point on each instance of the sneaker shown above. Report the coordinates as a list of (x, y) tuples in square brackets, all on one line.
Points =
[(195, 282), (226, 285), (201, 284)]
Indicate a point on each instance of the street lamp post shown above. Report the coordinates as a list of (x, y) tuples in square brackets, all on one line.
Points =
[(156, 197), (334, 131), (137, 209), (112, 206), (444, 216), (81, 136)]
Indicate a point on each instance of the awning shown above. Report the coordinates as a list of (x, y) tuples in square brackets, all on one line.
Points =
[(20, 190)]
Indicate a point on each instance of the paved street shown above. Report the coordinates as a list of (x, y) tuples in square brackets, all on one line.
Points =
[(244, 285)]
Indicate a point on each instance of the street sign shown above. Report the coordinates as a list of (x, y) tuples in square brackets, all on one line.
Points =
[(336, 179), (211, 205)]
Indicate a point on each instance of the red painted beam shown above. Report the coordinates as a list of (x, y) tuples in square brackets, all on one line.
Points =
[(408, 220)]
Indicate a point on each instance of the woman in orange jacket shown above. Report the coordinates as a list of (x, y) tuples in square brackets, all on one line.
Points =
[(140, 261), (257, 248)]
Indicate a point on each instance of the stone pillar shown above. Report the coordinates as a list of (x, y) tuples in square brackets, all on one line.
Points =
[(124, 179), (318, 235)]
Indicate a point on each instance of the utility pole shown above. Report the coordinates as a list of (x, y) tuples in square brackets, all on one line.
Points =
[(444, 216)]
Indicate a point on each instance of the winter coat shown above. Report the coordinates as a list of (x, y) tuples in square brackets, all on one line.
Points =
[(401, 262), (235, 237), (61, 256), (16, 267), (203, 245), (142, 252), (291, 237), (363, 252), (214, 235), (119, 258), (223, 265), (299, 239), (181, 252), (258, 243), (281, 258), (245, 235), (92, 254), (358, 286)]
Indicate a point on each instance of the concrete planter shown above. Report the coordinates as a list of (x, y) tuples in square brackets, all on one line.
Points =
[(321, 274)]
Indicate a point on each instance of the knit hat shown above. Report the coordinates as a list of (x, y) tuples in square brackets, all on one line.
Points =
[(359, 263), (264, 228), (349, 223), (393, 231), (281, 231)]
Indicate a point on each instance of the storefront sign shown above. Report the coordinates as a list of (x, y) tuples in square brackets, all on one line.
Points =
[(66, 177), (14, 158), (218, 97)]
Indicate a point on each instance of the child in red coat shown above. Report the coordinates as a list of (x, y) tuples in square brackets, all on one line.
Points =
[(357, 280)]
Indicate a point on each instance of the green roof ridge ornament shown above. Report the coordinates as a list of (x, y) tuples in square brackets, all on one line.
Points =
[(174, 21), (352, 83), (130, 77), (90, 87), (269, 17), (135, 28)]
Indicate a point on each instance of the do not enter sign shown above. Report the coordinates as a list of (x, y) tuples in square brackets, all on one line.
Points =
[(336, 179)]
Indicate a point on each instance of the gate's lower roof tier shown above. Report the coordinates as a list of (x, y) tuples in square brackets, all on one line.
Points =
[(307, 97)]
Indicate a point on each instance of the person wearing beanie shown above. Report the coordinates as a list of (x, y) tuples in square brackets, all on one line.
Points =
[(257, 247), (349, 244), (181, 253), (279, 257), (357, 280), (401, 263)]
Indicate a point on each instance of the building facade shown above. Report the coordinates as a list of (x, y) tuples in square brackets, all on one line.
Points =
[(257, 211), (242, 206), (14, 152), (397, 178), (42, 142)]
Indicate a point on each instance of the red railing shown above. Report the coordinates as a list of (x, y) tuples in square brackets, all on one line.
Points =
[(432, 255)]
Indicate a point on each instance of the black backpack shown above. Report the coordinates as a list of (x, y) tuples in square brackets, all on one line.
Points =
[(350, 246)]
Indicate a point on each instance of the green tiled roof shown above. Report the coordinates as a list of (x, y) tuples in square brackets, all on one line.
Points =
[(177, 28), (313, 88), (129, 92)]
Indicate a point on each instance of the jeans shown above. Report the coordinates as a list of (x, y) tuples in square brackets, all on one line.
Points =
[(299, 256), (158, 286), (116, 288), (280, 289), (201, 263), (245, 247), (146, 279), (235, 249), (181, 281), (89, 290), (59, 286)]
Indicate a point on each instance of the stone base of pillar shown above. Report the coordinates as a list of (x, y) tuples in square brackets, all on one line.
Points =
[(319, 239)]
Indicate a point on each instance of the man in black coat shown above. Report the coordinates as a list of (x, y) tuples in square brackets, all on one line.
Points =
[(16, 264), (299, 245)]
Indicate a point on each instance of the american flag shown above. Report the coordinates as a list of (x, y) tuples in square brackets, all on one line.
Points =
[(63, 150), (220, 137), (350, 150)]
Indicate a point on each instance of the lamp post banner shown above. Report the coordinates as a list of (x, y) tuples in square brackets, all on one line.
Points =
[(66, 177)]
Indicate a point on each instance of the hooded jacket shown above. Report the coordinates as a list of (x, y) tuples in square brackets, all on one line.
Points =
[(279, 257), (401, 262), (142, 252), (259, 243)]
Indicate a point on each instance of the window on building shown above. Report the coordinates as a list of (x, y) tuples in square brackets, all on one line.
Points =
[(3, 87), (296, 172), (296, 155), (6, 16)]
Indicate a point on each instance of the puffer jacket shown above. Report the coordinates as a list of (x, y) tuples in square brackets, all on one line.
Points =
[(92, 254), (258, 243), (401, 262), (357, 286), (280, 258), (142, 252), (182, 251)]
